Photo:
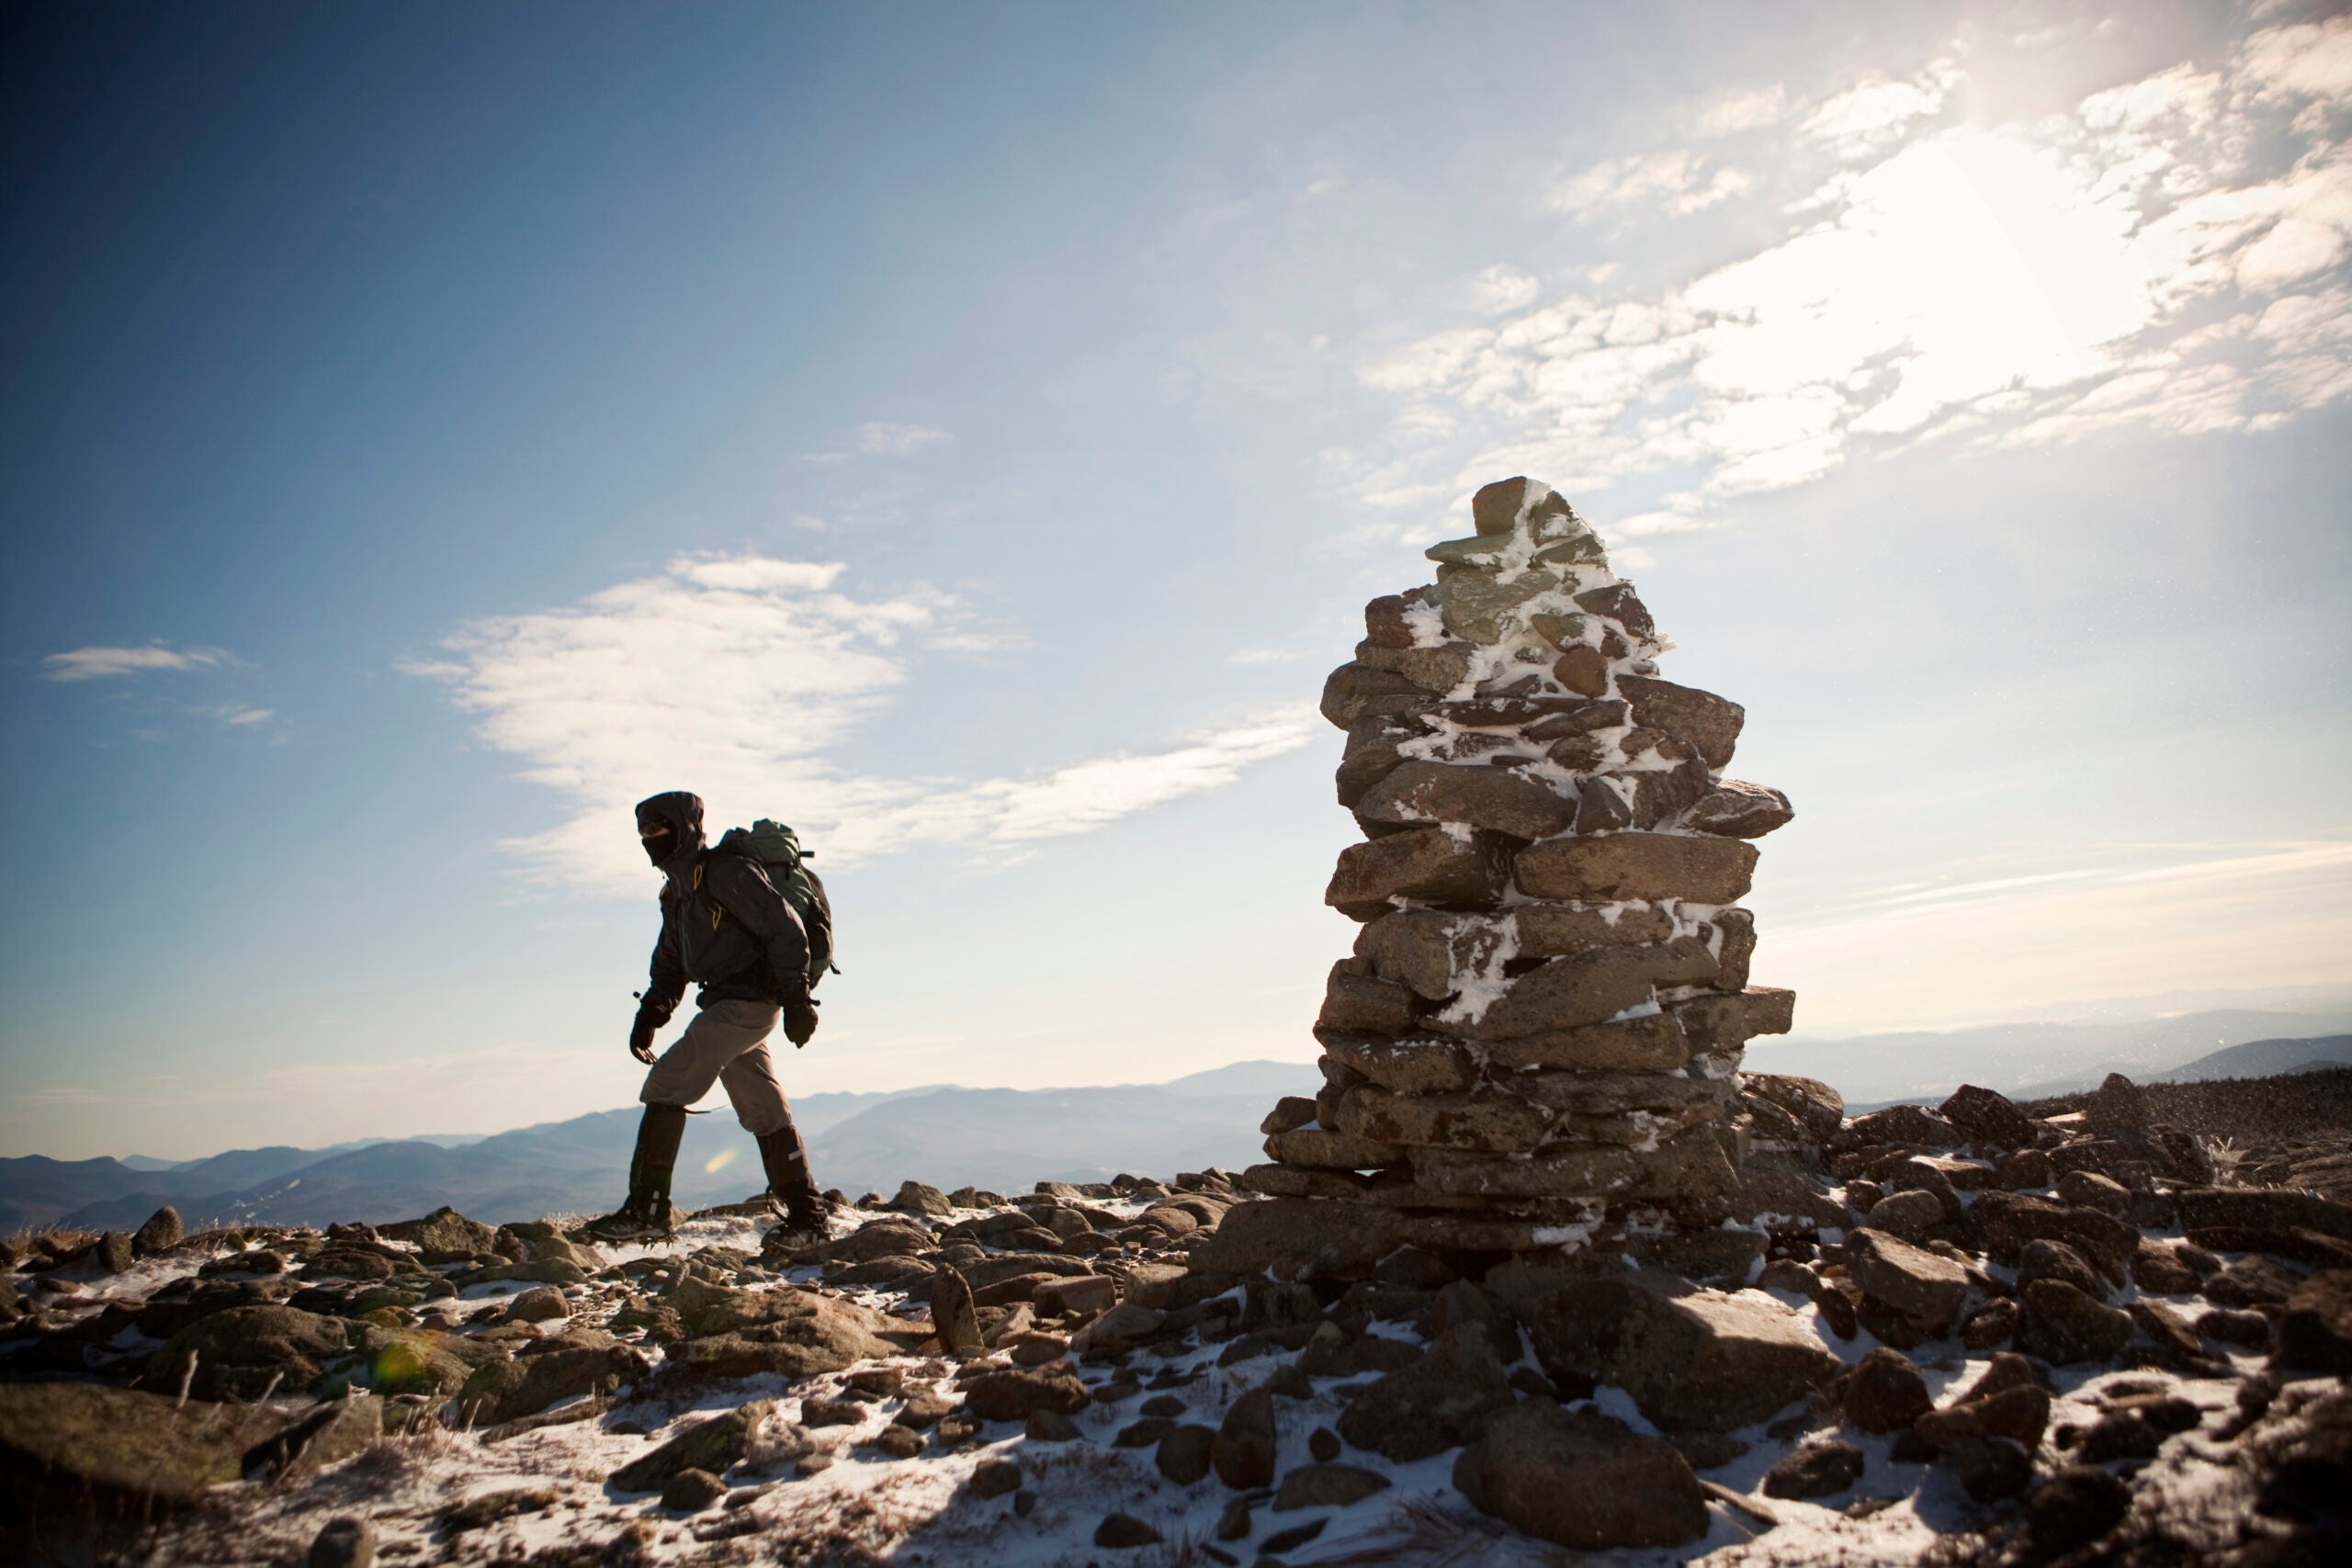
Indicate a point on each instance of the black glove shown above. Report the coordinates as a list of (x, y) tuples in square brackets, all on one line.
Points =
[(640, 1038), (799, 1017)]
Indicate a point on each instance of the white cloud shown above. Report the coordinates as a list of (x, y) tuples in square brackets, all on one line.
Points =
[(1876, 112), (1675, 182), (239, 716), (2169, 258), (882, 437), (108, 663), (1500, 288), (1746, 108), (736, 677)]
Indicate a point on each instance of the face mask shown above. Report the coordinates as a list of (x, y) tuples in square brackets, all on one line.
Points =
[(659, 845)]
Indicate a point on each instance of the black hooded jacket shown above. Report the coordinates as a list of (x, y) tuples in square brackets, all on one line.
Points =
[(724, 926)]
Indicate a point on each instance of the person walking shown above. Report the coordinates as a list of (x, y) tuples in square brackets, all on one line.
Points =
[(725, 926)]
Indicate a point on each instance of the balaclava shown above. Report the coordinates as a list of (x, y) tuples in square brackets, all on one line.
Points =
[(677, 818)]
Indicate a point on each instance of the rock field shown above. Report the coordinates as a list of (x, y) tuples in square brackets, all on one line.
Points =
[(2024, 1339), (1542, 1275)]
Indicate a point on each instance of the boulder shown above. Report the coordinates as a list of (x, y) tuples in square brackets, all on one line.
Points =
[(342, 1543), (82, 1447), (1922, 1285), (247, 1352), (1637, 866), (1422, 862), (1327, 1486), (2089, 1190), (1709, 722), (918, 1198), (1989, 1117), (2073, 1507), (1365, 1004), (1015, 1393), (793, 1334), (2003, 1222), (1696, 1165), (1907, 1215), (1501, 799), (1692, 1360), (1716, 1022), (161, 1233), (1243, 1452), (1436, 1403), (1816, 1469), (1408, 1066), (1734, 808), (692, 1491), (1589, 988), (2158, 1267), (443, 1235), (952, 1315), (1654, 1043), (1310, 1238), (2273, 1209), (1581, 1479), (2063, 1325), (1500, 1123), (507, 1391), (2314, 1333), (2042, 1258), (1886, 1392), (1817, 1108), (1184, 1453), (713, 1445), (1911, 1124), (1353, 690)]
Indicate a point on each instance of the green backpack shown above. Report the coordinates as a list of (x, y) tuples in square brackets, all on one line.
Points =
[(777, 850)]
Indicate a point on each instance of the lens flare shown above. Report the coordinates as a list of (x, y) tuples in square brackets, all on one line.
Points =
[(719, 1161)]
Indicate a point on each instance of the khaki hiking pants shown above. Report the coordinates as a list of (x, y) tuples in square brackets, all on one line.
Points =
[(726, 1044)]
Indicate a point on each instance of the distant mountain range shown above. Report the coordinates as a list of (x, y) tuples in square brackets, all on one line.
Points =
[(2036, 1059), (1005, 1140)]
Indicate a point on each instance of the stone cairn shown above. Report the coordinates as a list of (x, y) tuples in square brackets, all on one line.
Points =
[(1535, 1044)]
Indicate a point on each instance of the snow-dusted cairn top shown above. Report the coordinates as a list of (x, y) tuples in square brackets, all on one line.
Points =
[(1538, 1033)]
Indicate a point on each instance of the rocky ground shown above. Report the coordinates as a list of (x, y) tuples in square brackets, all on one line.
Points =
[(2058, 1334)]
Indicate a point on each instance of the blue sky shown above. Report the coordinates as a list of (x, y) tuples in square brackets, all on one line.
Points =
[(970, 434)]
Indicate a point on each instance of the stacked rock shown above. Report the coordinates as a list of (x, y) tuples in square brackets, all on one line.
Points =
[(1536, 1041)]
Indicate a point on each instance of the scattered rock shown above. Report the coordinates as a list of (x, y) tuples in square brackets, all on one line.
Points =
[(119, 1449), (691, 1490), (1692, 1360), (340, 1543), (161, 1233), (489, 1508), (995, 1478), (711, 1444), (1581, 1479), (2063, 1325), (2075, 1506), (1124, 1531), (1327, 1486), (1013, 1394), (1815, 1470), (1184, 1453), (1436, 1403), (1886, 1392), (2314, 1332), (1243, 1453)]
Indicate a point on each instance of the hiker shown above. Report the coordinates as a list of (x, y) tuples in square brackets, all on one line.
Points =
[(725, 926)]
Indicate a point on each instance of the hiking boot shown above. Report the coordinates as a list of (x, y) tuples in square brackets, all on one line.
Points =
[(639, 1219), (805, 1213), (646, 1213)]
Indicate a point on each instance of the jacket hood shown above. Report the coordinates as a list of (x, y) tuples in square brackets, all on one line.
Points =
[(683, 812)]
